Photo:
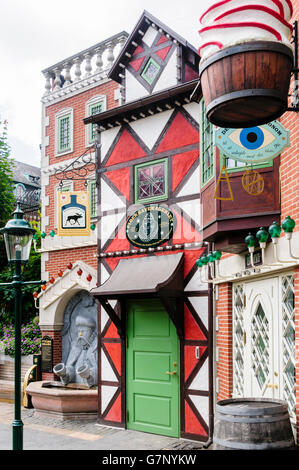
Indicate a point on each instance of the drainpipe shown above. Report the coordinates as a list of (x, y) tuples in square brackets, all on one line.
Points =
[(211, 328)]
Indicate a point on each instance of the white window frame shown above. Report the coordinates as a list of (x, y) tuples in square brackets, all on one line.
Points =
[(67, 185), (95, 100), (61, 114)]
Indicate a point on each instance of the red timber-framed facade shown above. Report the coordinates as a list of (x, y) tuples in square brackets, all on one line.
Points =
[(149, 156)]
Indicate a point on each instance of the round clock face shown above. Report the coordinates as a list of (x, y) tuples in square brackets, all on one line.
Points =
[(150, 226)]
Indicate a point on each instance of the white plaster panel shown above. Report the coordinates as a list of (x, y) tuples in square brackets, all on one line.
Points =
[(104, 274), (195, 283), (201, 380), (192, 186), (149, 129), (149, 36), (192, 208), (107, 138), (108, 225), (109, 199), (134, 89), (201, 307), (104, 319), (194, 110), (107, 395), (202, 405), (107, 372), (168, 77)]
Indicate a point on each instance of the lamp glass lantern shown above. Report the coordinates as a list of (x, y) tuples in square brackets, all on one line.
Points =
[(18, 238)]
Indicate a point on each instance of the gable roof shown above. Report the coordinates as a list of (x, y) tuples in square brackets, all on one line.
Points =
[(27, 174), (131, 44)]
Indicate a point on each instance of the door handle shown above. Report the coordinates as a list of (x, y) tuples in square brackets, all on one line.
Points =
[(171, 373), (272, 386)]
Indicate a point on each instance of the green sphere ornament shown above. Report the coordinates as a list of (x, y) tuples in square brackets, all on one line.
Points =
[(43, 235), (288, 224), (52, 233), (204, 260), (262, 235), (274, 230), (250, 240), (199, 263), (217, 255)]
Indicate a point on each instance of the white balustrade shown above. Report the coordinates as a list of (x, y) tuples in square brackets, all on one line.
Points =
[(84, 68)]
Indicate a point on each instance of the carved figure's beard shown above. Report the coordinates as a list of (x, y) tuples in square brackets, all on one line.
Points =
[(84, 342)]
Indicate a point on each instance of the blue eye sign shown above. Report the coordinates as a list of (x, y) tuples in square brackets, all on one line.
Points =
[(254, 144)]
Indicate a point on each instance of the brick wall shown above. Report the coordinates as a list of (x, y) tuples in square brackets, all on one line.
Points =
[(58, 260), (224, 342)]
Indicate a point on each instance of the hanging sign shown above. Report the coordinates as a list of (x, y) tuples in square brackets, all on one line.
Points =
[(254, 144), (150, 226), (73, 213)]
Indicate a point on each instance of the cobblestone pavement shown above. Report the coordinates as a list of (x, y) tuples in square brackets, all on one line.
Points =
[(49, 433)]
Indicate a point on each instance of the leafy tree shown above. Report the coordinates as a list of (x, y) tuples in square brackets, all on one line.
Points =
[(6, 175)]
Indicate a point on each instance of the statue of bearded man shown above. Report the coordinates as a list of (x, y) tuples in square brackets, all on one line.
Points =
[(81, 364)]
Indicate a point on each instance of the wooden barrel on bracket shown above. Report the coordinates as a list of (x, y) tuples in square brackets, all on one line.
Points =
[(252, 424), (247, 85)]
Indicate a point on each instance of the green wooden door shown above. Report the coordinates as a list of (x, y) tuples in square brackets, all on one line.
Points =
[(153, 401)]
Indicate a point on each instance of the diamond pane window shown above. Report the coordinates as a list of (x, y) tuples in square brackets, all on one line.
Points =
[(260, 346), (151, 181), (64, 142), (207, 156), (151, 71), (288, 344), (238, 348)]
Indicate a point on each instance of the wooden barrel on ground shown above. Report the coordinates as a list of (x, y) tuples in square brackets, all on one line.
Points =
[(247, 85), (252, 424)]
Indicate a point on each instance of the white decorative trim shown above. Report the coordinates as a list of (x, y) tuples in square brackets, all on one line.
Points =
[(67, 243), (63, 113), (53, 301)]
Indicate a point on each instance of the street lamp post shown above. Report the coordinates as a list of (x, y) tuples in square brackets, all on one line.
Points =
[(18, 238)]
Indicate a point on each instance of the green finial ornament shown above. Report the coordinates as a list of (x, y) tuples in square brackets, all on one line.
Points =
[(274, 230), (52, 233), (217, 255), (204, 260), (262, 235), (43, 235), (288, 224), (93, 226), (250, 240), (199, 263)]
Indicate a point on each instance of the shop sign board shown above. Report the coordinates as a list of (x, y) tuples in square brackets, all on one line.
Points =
[(73, 213), (254, 144), (150, 226)]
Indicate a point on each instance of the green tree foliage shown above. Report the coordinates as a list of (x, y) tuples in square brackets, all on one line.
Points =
[(6, 175)]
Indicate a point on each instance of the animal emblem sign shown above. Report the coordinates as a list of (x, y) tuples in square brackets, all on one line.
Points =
[(150, 226), (254, 144), (74, 213)]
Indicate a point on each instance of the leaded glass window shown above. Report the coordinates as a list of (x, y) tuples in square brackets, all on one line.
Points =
[(288, 343), (239, 345), (207, 157), (93, 199), (94, 109), (151, 181), (260, 346), (151, 71)]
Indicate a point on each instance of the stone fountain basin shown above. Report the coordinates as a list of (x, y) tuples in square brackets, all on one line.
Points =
[(73, 401)]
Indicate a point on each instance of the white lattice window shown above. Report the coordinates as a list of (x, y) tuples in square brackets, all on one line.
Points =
[(238, 326), (288, 342), (260, 346)]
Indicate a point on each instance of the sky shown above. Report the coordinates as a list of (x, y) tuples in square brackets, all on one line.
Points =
[(36, 34)]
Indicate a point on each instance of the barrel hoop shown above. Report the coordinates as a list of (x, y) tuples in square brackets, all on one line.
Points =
[(232, 410), (247, 47), (251, 446), (253, 420), (235, 95)]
